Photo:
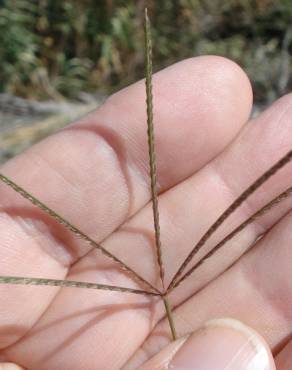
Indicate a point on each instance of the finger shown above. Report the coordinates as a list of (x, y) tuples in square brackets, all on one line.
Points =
[(220, 344), (93, 173), (107, 151), (284, 358)]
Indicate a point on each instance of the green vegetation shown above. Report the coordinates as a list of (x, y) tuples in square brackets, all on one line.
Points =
[(57, 49)]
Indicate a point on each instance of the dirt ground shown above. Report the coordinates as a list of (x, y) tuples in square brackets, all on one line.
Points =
[(24, 123)]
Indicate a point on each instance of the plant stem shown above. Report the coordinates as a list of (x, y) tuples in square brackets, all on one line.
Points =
[(169, 316)]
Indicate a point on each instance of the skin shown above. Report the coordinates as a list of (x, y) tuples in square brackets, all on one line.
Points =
[(95, 174)]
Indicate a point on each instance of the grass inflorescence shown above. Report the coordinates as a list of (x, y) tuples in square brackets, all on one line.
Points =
[(185, 270)]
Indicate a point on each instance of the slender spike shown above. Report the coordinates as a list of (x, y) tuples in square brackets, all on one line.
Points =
[(69, 284), (234, 232), (237, 203), (74, 229), (153, 170), (151, 145)]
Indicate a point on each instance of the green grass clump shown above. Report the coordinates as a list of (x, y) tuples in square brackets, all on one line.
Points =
[(57, 49)]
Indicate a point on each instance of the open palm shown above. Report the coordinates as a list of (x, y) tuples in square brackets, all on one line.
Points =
[(95, 174)]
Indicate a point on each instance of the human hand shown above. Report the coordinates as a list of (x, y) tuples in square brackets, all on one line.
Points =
[(95, 173)]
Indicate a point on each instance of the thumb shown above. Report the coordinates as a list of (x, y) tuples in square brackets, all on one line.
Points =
[(10, 366), (221, 344)]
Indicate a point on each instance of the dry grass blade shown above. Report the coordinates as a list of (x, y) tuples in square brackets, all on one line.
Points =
[(16, 280), (234, 232), (242, 197), (151, 145), (74, 229)]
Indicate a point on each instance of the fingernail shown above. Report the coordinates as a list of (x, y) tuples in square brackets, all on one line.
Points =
[(223, 344), (10, 366)]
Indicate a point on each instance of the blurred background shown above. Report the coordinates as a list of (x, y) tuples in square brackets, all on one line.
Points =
[(61, 58)]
